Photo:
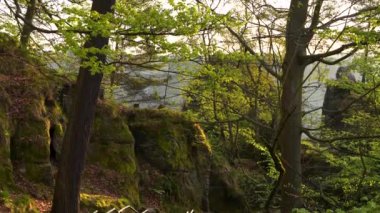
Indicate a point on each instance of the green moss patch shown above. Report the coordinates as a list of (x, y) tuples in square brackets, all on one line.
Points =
[(30, 149), (178, 149), (101, 203), (5, 162), (225, 192), (112, 147)]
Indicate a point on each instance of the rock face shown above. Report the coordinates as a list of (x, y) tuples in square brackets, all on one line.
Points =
[(112, 147), (177, 154), (5, 162), (27, 113), (153, 158), (225, 194), (337, 100)]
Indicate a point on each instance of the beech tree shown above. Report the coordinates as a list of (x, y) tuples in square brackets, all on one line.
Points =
[(284, 41), (274, 43), (304, 20), (152, 23), (29, 16), (66, 194)]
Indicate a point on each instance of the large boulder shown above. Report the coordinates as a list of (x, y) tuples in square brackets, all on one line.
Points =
[(174, 157), (30, 147), (112, 146)]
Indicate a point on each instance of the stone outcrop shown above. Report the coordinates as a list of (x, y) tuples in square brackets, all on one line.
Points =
[(177, 153), (27, 114), (337, 100), (158, 158)]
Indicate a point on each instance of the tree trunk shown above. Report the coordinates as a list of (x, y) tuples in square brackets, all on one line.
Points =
[(67, 188), (291, 104), (28, 21)]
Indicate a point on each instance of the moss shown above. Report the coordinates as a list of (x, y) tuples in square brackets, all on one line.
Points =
[(41, 173), (162, 138), (174, 208), (101, 203), (6, 177), (112, 143), (5, 162), (112, 147), (118, 157), (35, 109), (7, 43), (55, 113), (179, 149), (30, 142), (133, 192), (201, 139), (111, 130), (30, 147), (23, 97), (110, 127), (225, 193), (21, 203)]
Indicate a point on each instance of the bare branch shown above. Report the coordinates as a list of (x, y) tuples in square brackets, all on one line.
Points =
[(353, 51), (318, 57), (353, 15), (267, 67), (345, 138)]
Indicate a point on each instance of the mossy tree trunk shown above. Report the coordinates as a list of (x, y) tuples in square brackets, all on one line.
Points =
[(67, 188)]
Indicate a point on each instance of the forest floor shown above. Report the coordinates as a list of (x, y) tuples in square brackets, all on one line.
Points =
[(27, 196)]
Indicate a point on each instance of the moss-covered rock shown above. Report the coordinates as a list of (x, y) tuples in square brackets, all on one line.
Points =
[(156, 151), (6, 43), (162, 138), (178, 151), (5, 162), (30, 108), (30, 149), (225, 193), (30, 142), (110, 126), (112, 147)]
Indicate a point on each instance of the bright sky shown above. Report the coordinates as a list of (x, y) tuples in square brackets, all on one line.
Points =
[(223, 8), (279, 3)]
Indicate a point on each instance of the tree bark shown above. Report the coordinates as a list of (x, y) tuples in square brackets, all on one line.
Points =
[(28, 21), (67, 188), (291, 104)]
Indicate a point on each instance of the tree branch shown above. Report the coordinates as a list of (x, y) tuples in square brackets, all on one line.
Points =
[(318, 57), (241, 40), (316, 15), (359, 137), (353, 51), (368, 9)]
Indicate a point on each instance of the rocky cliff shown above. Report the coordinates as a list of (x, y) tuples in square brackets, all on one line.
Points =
[(144, 158)]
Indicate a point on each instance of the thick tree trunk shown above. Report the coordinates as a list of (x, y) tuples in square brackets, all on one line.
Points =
[(290, 138), (28, 21), (67, 188), (291, 104)]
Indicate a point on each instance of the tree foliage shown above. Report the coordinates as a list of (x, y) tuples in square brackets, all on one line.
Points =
[(256, 63)]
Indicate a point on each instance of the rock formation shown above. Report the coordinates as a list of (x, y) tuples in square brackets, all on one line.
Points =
[(337, 100), (152, 158)]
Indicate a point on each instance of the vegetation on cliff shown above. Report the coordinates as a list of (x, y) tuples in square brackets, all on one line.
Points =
[(246, 130)]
